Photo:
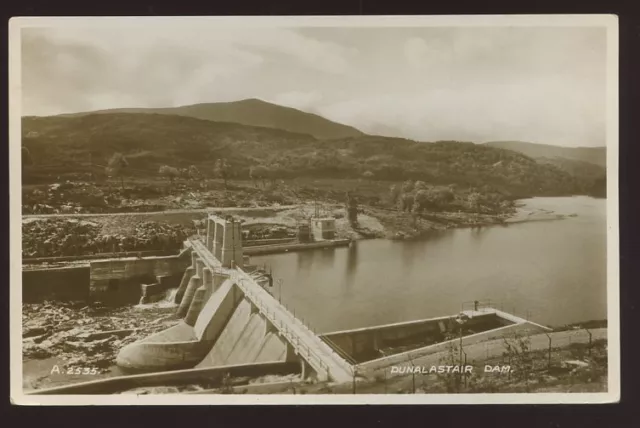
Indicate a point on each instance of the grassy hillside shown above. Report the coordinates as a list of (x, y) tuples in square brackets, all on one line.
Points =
[(252, 112), (594, 155), (61, 146)]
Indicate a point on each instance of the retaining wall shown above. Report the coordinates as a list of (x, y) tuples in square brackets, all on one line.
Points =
[(367, 341), (119, 280), (466, 340), (210, 375)]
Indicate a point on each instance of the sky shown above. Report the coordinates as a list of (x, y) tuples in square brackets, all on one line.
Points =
[(536, 84)]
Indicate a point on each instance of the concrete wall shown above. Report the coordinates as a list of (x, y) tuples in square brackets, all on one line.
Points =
[(118, 281), (246, 335), (172, 349), (209, 375), (65, 284), (367, 341), (217, 311), (466, 340)]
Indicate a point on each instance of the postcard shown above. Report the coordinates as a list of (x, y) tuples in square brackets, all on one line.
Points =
[(314, 210)]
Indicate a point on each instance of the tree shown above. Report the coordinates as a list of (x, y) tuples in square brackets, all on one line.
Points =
[(473, 201), (259, 172), (115, 167), (221, 170), (273, 173), (421, 199), (420, 185), (169, 172), (406, 202), (394, 194), (194, 173), (415, 213), (407, 186)]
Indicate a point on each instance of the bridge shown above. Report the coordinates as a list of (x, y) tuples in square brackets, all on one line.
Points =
[(215, 330)]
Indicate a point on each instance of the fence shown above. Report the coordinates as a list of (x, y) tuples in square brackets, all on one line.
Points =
[(259, 297), (529, 355)]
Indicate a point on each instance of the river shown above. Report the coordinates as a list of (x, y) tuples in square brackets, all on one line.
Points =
[(553, 272)]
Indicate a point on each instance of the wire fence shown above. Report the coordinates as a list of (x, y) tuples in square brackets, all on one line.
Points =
[(522, 356)]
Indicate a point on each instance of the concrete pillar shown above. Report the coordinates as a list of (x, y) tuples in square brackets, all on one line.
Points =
[(217, 240), (194, 258), (196, 304), (210, 233), (232, 245), (188, 273), (305, 369), (194, 283), (207, 282), (199, 267)]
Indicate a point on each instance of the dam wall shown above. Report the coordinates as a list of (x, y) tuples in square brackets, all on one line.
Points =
[(111, 281), (118, 280)]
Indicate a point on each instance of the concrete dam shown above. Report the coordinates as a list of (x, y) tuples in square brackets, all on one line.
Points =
[(229, 318), (230, 325)]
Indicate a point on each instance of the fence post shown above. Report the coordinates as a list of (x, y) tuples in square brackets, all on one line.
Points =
[(590, 337), (549, 353), (465, 369), (354, 379), (413, 373)]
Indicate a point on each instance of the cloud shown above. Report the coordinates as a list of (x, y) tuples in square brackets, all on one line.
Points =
[(499, 111), (535, 84), (67, 69)]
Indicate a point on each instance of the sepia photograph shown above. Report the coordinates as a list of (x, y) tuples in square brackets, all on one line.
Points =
[(328, 210)]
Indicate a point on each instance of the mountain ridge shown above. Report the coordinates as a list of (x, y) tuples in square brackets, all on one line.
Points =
[(594, 155), (249, 112), (78, 145)]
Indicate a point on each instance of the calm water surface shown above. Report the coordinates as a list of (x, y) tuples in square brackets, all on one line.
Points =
[(554, 271)]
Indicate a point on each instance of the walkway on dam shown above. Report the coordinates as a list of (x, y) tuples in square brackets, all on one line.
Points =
[(320, 356)]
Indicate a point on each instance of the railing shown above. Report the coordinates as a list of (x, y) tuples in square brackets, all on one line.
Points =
[(314, 358), (341, 352), (258, 301), (281, 325), (479, 305)]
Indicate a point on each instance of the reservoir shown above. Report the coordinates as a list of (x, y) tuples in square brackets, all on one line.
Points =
[(552, 272)]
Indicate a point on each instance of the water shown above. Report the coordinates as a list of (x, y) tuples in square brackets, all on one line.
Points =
[(554, 272), (168, 301)]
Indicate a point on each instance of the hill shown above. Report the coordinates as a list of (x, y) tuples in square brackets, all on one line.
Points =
[(594, 155), (61, 146), (251, 112)]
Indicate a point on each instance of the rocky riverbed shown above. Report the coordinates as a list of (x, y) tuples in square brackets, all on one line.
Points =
[(77, 335)]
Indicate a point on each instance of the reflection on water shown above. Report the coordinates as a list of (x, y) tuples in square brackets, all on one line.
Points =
[(554, 270), (352, 262)]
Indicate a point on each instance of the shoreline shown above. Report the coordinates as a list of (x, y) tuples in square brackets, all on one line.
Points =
[(373, 223)]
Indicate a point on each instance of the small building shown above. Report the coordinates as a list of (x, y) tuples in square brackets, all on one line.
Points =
[(323, 228), (304, 232)]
